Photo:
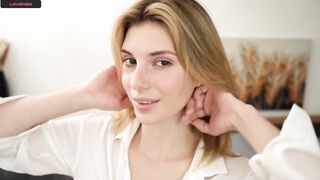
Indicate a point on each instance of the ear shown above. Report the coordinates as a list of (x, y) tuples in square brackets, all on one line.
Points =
[(197, 83)]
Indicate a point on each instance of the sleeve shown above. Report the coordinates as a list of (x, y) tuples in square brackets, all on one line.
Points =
[(294, 154), (45, 149)]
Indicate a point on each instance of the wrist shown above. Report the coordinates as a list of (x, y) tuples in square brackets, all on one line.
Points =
[(245, 113), (80, 98), (255, 128)]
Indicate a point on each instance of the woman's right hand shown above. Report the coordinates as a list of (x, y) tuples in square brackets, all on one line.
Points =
[(104, 91)]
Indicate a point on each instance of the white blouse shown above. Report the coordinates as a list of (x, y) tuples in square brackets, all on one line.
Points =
[(84, 147)]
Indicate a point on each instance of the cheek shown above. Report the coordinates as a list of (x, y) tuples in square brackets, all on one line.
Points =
[(179, 89)]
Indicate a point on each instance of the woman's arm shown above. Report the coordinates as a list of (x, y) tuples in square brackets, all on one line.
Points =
[(256, 129), (103, 91), (290, 155), (24, 113)]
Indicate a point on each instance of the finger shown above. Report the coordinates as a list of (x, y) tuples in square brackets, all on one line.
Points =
[(201, 125), (200, 90), (199, 96), (204, 89), (208, 102), (196, 115), (197, 91), (199, 101)]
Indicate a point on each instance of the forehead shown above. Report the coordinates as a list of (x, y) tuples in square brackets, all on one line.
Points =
[(148, 37)]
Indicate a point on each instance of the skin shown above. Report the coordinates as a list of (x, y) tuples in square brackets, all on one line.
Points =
[(228, 113), (152, 70), (103, 91)]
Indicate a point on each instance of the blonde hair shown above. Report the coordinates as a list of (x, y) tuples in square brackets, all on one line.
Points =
[(198, 47)]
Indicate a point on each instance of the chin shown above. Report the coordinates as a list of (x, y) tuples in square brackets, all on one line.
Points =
[(148, 119)]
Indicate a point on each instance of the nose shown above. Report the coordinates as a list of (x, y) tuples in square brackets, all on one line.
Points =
[(139, 80)]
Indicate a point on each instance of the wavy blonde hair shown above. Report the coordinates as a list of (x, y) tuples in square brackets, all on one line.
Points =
[(198, 47)]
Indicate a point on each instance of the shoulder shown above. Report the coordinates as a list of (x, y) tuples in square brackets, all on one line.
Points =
[(230, 168), (81, 118)]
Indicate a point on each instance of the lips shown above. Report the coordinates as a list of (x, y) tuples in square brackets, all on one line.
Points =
[(144, 104), (145, 100)]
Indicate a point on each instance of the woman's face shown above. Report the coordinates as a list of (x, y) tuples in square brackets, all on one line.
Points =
[(156, 83)]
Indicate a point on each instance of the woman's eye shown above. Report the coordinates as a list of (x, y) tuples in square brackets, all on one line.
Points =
[(129, 62), (163, 63)]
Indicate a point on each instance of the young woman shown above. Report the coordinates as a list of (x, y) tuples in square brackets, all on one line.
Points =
[(173, 85)]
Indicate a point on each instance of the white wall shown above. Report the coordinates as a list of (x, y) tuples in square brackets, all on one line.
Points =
[(65, 42)]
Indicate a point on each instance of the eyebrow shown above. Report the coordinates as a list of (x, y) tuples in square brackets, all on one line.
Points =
[(153, 53)]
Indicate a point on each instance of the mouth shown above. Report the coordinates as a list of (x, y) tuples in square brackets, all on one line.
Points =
[(144, 104)]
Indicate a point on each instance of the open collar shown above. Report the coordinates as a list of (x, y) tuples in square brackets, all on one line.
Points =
[(125, 136), (207, 168), (196, 170)]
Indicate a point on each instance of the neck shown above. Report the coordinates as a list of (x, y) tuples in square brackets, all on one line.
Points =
[(169, 140)]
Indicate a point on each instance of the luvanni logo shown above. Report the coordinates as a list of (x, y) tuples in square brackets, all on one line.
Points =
[(20, 3)]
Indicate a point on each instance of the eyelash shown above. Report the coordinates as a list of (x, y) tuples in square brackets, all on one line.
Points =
[(162, 60), (127, 60), (168, 63)]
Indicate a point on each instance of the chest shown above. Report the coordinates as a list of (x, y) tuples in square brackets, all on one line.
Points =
[(143, 169)]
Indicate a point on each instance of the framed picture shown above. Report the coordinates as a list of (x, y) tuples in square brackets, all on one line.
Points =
[(270, 73)]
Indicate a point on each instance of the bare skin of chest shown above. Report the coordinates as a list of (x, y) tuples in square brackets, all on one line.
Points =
[(143, 169)]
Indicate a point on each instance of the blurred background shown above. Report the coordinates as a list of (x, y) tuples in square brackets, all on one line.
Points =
[(65, 42)]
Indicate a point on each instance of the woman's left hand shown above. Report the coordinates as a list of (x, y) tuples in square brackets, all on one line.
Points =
[(212, 111), (215, 112)]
